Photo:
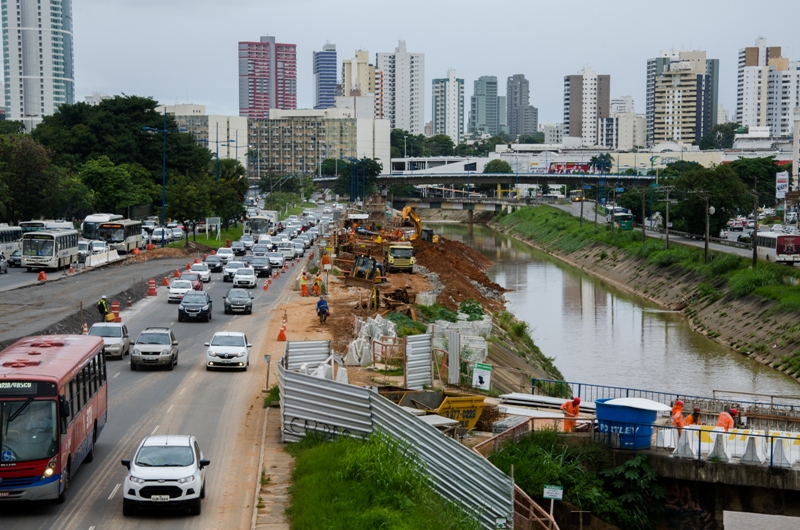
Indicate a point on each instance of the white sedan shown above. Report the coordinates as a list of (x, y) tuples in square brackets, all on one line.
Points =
[(228, 349), (203, 271), (245, 277), (178, 289), (225, 254)]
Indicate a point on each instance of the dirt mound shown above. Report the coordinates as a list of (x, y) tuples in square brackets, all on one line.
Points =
[(458, 266)]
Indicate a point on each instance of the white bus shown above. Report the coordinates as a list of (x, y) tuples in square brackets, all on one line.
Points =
[(258, 226), (92, 222), (778, 248), (123, 236), (49, 249), (34, 226), (10, 239)]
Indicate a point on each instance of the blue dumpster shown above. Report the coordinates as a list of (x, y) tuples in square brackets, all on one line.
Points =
[(634, 425)]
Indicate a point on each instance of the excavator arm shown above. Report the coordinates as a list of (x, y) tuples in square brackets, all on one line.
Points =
[(409, 213)]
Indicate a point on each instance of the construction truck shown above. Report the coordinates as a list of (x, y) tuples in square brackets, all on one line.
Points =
[(409, 213), (400, 256)]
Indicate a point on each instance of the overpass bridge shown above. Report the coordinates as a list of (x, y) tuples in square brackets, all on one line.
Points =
[(419, 179)]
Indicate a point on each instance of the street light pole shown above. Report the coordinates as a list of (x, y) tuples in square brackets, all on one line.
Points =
[(405, 149)]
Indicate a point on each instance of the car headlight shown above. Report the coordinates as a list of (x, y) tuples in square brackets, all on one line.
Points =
[(136, 351), (241, 354), (184, 480), (166, 352), (205, 308), (212, 353), (51, 468), (181, 307), (137, 480)]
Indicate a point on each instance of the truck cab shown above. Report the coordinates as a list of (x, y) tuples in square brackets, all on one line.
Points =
[(400, 257)]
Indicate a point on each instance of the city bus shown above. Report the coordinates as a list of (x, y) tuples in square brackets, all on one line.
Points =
[(778, 248), (258, 226), (92, 222), (53, 407), (34, 226), (577, 196), (10, 238), (49, 249), (123, 236), (623, 221)]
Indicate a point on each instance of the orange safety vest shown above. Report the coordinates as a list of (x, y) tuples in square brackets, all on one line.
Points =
[(725, 421)]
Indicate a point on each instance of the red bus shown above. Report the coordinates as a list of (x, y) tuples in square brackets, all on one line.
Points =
[(53, 399)]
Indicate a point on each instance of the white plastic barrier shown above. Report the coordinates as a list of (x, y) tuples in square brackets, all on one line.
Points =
[(750, 446), (102, 258)]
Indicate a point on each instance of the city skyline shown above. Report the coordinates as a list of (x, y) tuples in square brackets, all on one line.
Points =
[(177, 70)]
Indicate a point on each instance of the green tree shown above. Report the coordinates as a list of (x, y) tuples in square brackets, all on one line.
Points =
[(332, 167), (112, 186), (25, 174), (75, 200), (12, 127), (227, 195), (758, 174), (535, 138), (602, 163), (719, 137), (189, 198), (497, 166), (440, 145)]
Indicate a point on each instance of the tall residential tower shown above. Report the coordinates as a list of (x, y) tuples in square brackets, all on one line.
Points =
[(586, 100), (267, 77), (37, 52), (448, 106), (487, 110), (521, 116), (325, 77), (401, 89)]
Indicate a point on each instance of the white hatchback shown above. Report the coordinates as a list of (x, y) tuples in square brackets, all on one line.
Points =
[(178, 289), (245, 277), (225, 254), (167, 472), (203, 270), (228, 349)]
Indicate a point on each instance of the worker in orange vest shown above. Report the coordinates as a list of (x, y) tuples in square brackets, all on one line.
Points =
[(677, 416), (571, 410), (694, 417), (326, 259), (303, 285), (725, 419)]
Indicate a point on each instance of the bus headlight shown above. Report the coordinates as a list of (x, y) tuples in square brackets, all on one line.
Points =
[(50, 470)]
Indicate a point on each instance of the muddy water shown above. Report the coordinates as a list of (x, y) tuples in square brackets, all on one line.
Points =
[(600, 335)]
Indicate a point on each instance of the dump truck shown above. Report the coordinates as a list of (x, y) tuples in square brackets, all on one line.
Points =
[(400, 256)]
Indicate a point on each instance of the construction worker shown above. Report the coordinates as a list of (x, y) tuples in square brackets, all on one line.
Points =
[(320, 284), (326, 259), (571, 410), (694, 417), (315, 288), (102, 307), (677, 416), (303, 285), (725, 419)]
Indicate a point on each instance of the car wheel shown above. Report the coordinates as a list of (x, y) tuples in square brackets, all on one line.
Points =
[(208, 317), (133, 366), (90, 455), (127, 507), (203, 491), (171, 365), (194, 509)]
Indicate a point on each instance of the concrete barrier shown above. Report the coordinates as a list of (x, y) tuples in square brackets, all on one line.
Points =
[(102, 258)]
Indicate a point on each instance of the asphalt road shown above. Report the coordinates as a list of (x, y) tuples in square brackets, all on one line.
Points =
[(222, 409)]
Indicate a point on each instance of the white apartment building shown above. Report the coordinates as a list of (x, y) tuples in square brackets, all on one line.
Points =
[(553, 133), (400, 94), (358, 75), (783, 95), (586, 99), (37, 59), (623, 131), (722, 115), (448, 106), (621, 104), (226, 135)]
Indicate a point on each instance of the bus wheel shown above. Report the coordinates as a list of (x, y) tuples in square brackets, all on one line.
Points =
[(90, 454), (65, 478)]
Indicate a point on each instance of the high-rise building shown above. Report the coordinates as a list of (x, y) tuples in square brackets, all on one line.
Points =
[(683, 100), (722, 115), (521, 116), (37, 58), (484, 112), (710, 89), (400, 88), (358, 75), (622, 132), (267, 77), (325, 77), (586, 99), (502, 115), (767, 90), (448, 106), (553, 133), (621, 104)]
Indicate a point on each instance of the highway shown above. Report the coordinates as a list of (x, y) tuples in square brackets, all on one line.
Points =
[(222, 409)]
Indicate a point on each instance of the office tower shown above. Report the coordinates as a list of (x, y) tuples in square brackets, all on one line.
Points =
[(37, 58), (683, 100), (767, 90), (267, 77), (325, 77), (448, 106), (655, 66), (586, 99), (400, 92), (521, 116), (487, 109)]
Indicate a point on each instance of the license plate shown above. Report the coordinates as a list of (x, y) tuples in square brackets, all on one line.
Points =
[(159, 498), (4, 493), (238, 309)]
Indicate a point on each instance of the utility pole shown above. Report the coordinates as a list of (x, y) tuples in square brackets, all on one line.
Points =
[(644, 226), (705, 196), (582, 198), (754, 237), (667, 190)]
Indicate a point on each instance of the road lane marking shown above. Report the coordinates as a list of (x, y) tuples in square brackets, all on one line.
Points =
[(113, 492), (116, 375), (170, 408), (154, 431), (172, 324), (183, 390), (91, 528)]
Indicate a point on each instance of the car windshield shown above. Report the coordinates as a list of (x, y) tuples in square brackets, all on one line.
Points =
[(260, 248), (83, 246), (181, 284), (190, 276), (106, 331), (234, 265), (259, 261), (165, 456), (244, 272), (212, 259), (401, 252), (194, 299), (200, 267), (275, 255), (153, 338), (237, 244), (246, 238), (238, 293), (228, 340), (224, 251), (28, 429)]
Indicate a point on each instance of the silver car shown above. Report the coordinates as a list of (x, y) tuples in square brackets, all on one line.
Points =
[(155, 347), (115, 337), (228, 349)]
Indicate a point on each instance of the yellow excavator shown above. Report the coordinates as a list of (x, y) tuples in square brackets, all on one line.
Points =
[(409, 213)]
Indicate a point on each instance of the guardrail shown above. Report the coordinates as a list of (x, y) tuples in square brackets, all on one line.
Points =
[(687, 235)]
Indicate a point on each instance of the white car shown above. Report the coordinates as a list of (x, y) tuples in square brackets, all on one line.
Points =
[(225, 254), (167, 472), (98, 247), (229, 271), (228, 349), (203, 271), (178, 289), (245, 277), (299, 248)]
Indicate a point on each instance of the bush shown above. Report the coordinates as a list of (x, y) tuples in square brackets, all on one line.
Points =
[(406, 326), (472, 309), (437, 312), (746, 281), (721, 264)]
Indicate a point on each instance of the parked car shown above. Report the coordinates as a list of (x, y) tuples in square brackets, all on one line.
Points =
[(197, 283), (230, 270), (155, 347), (15, 260), (225, 254), (203, 270), (245, 277), (115, 337), (214, 263), (167, 471), (178, 290), (195, 306), (178, 234), (261, 266), (228, 349), (238, 301)]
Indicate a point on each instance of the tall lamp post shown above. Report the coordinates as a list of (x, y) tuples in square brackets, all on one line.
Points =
[(164, 131)]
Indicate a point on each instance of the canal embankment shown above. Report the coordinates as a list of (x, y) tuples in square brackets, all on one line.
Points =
[(753, 311)]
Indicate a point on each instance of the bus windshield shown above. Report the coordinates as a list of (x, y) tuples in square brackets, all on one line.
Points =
[(111, 235), (28, 430), (90, 230), (37, 247), (258, 226)]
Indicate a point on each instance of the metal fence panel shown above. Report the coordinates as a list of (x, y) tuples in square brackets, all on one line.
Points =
[(453, 358), (419, 351), (459, 474), (309, 403), (312, 352)]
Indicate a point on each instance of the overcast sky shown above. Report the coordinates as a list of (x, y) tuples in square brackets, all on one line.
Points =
[(180, 51)]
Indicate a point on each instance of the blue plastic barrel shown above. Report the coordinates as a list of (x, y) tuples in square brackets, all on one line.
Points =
[(634, 426)]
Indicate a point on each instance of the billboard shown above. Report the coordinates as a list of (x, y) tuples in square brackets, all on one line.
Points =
[(568, 168), (781, 184)]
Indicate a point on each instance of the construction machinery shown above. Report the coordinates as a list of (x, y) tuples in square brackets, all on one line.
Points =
[(409, 213)]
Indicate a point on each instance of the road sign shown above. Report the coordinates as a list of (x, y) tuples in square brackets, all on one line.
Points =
[(620, 190), (482, 376), (587, 186), (553, 492)]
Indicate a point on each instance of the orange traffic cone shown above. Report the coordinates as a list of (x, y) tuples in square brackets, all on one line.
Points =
[(85, 329), (266, 285), (165, 282), (282, 334), (71, 270), (213, 252), (136, 252), (188, 266), (42, 277), (197, 260), (177, 273), (151, 287)]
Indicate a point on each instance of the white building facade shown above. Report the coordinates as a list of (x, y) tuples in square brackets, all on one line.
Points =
[(586, 99), (448, 106), (401, 91)]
